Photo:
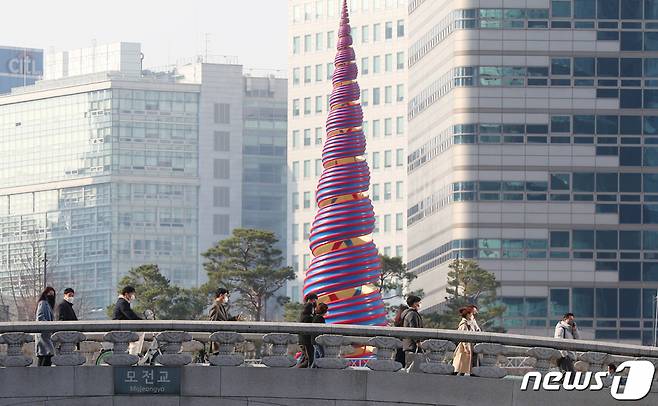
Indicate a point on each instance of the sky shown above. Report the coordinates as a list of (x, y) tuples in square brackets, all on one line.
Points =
[(253, 30)]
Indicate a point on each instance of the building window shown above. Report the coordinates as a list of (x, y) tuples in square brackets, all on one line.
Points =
[(400, 28), (295, 201), (375, 160), (307, 137), (398, 251), (295, 138), (318, 73), (388, 62), (307, 234), (560, 8), (399, 125), (307, 43), (307, 74), (400, 60), (364, 66), (222, 169), (388, 126), (318, 41), (318, 104), (307, 200), (365, 33), (399, 157), (388, 94), (376, 96), (222, 113), (220, 224), (388, 30), (295, 232), (295, 107), (307, 168), (295, 171), (376, 230), (331, 40), (318, 167), (375, 192), (399, 222), (399, 193), (376, 32), (376, 64), (400, 93), (295, 76), (307, 106), (364, 97), (222, 141), (387, 223), (318, 135), (387, 191), (296, 45), (388, 158), (376, 127), (221, 196)]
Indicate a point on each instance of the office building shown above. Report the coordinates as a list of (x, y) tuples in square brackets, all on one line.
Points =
[(532, 133), (380, 43), (19, 67), (105, 170)]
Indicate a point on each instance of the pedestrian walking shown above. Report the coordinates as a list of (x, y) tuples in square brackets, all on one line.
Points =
[(398, 322), (306, 340), (411, 318), (122, 309), (219, 310), (566, 329), (65, 310), (462, 360), (321, 310), (474, 327), (44, 346)]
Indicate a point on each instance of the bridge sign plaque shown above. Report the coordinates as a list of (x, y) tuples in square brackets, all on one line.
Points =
[(144, 380)]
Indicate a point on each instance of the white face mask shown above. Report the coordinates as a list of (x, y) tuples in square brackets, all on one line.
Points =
[(69, 299), (226, 299)]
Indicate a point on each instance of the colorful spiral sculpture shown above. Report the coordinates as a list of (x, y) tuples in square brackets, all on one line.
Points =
[(346, 264)]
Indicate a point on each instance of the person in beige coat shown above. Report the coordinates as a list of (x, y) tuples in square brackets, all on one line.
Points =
[(462, 360)]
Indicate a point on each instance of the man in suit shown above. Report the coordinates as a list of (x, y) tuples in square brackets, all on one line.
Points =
[(65, 310), (122, 310), (219, 309)]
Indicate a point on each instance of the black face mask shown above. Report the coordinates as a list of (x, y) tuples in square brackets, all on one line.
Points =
[(51, 300)]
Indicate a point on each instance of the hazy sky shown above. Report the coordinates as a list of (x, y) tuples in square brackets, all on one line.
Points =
[(253, 30)]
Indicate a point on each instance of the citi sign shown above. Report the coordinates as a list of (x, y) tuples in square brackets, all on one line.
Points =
[(638, 381), (23, 64)]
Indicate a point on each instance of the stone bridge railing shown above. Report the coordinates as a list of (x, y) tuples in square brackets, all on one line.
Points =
[(278, 341)]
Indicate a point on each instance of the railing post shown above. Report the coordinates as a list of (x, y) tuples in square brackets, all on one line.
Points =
[(120, 341), (279, 357), (435, 353), (331, 343), (386, 348), (489, 362), (172, 341), (14, 342), (596, 360), (67, 354), (226, 355), (544, 356)]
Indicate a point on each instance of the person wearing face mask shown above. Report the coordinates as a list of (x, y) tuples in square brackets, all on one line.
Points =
[(122, 310), (65, 310), (219, 309), (45, 348)]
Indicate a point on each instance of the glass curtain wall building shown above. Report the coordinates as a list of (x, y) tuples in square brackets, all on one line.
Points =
[(19, 67), (101, 175), (380, 42), (533, 148)]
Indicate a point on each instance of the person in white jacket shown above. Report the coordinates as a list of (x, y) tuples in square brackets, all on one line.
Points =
[(567, 329)]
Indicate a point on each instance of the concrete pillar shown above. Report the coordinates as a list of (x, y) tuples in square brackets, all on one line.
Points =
[(386, 348), (279, 357), (489, 367), (331, 343), (544, 356), (67, 354), (435, 353), (225, 342), (14, 342), (171, 343), (120, 341)]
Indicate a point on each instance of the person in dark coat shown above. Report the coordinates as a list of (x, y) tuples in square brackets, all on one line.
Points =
[(45, 348), (306, 340), (122, 310), (397, 322), (219, 309), (65, 310), (321, 310), (411, 318)]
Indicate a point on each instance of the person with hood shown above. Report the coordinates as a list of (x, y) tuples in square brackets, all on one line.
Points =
[(44, 347), (397, 322), (65, 310), (412, 319), (462, 360), (566, 329), (122, 310), (306, 340)]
